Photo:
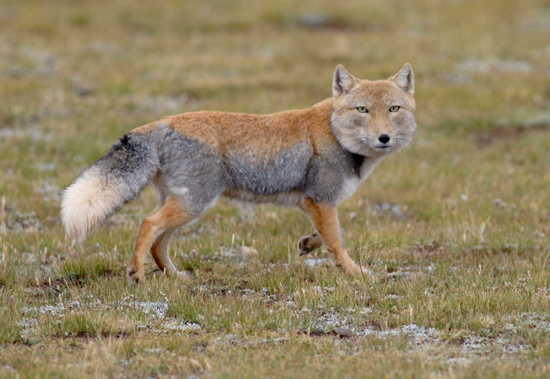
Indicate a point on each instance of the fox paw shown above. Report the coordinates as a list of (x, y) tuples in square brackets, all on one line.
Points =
[(135, 276), (308, 243), (354, 269)]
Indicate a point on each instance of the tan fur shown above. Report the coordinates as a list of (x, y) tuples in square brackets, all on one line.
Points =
[(240, 132)]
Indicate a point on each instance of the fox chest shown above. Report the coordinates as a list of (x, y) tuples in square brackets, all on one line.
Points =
[(348, 187), (351, 183), (334, 182)]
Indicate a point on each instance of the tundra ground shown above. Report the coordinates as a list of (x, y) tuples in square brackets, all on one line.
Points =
[(456, 228)]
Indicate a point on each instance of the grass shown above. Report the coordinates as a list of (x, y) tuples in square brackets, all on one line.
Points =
[(456, 228)]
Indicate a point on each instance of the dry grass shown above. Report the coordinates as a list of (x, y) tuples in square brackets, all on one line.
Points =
[(456, 228)]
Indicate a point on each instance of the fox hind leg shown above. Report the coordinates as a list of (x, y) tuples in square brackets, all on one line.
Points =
[(308, 243), (152, 234), (160, 254), (159, 251)]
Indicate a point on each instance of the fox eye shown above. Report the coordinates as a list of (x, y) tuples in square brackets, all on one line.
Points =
[(362, 109), (394, 108)]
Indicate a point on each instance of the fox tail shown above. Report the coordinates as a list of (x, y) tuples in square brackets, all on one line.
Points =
[(113, 180)]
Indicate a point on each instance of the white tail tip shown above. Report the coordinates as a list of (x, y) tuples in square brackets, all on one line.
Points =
[(86, 203)]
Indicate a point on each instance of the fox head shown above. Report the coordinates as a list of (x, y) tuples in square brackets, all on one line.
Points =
[(373, 118)]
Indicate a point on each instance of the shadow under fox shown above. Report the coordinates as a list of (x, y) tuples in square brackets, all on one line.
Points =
[(311, 158)]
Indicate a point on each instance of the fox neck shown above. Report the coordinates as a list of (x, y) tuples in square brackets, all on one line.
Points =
[(363, 165)]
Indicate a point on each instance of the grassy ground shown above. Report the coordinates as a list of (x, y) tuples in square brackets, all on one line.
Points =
[(456, 228)]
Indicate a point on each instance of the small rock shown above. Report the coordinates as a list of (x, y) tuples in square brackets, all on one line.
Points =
[(83, 91), (239, 254), (314, 20), (392, 297), (314, 332), (44, 166), (343, 333), (389, 208), (181, 325), (315, 262), (317, 20), (248, 251), (400, 275)]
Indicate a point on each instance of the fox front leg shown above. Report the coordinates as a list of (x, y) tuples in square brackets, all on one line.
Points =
[(325, 220)]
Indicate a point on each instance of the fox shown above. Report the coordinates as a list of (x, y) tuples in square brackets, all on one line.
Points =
[(312, 158)]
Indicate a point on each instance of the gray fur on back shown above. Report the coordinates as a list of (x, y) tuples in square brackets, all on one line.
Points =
[(286, 172)]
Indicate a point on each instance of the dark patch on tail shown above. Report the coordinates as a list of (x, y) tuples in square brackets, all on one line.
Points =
[(130, 164), (124, 140), (130, 155)]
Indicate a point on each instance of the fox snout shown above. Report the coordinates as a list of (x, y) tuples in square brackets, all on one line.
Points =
[(384, 138), (378, 138), (380, 132)]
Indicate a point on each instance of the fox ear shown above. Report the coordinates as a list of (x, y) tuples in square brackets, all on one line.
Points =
[(404, 78), (342, 81)]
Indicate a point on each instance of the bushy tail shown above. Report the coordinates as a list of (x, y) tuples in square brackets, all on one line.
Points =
[(104, 187)]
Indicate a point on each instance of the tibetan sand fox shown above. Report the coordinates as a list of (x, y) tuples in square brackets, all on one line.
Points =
[(312, 158)]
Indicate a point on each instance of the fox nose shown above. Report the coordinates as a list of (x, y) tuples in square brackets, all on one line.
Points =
[(384, 138)]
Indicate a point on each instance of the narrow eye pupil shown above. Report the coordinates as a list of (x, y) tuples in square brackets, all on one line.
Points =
[(394, 108), (362, 109)]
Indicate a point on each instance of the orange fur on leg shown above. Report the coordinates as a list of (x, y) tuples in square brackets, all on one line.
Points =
[(159, 250), (325, 220), (170, 215)]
